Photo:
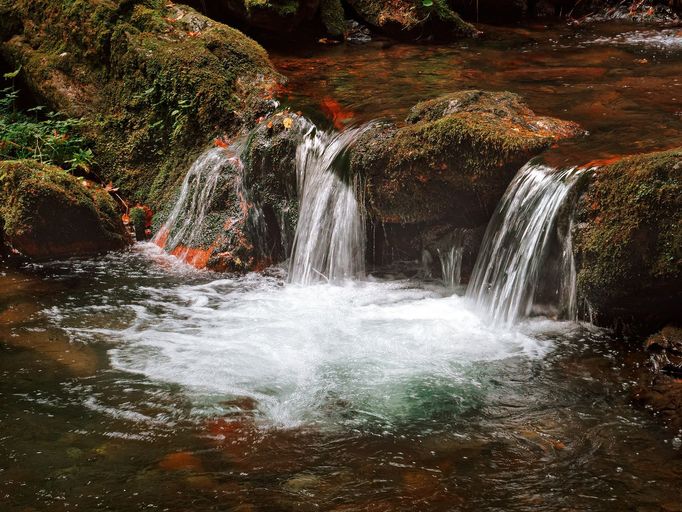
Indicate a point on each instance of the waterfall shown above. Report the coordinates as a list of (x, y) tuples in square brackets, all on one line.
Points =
[(186, 219), (451, 262), (329, 243), (517, 243)]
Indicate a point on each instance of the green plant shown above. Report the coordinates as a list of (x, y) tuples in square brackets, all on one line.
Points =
[(49, 138)]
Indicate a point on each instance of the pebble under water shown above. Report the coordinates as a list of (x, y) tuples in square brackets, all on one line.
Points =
[(132, 382)]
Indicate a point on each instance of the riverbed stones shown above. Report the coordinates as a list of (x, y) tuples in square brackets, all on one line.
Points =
[(628, 241), (662, 392), (48, 213)]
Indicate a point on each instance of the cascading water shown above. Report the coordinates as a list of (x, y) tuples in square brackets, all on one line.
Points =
[(184, 223), (518, 238), (330, 235), (451, 262)]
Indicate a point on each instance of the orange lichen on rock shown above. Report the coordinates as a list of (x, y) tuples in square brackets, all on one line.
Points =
[(193, 256)]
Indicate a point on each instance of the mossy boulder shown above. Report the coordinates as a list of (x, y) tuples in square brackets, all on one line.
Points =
[(628, 241), (154, 81), (449, 165), (264, 17), (46, 213), (453, 159), (412, 19), (249, 221)]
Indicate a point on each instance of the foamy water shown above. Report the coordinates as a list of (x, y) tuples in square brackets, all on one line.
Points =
[(316, 354), (668, 39)]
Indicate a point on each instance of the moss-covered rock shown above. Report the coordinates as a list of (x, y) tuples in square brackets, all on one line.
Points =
[(270, 19), (412, 19), (628, 241), (47, 213), (248, 223), (155, 81), (449, 165), (333, 17), (454, 158)]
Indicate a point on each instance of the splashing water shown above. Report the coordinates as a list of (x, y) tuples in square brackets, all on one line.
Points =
[(360, 353), (517, 241), (451, 262), (330, 235)]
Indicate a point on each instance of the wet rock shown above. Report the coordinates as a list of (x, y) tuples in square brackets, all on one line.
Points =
[(405, 19), (665, 351), (355, 33), (47, 213), (267, 18), (249, 222), (449, 166), (628, 241), (154, 82)]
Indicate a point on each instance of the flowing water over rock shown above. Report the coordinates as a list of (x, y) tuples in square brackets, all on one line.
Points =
[(330, 234), (451, 262), (517, 242), (210, 171)]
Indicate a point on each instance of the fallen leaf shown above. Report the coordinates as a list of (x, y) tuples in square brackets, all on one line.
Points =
[(288, 122), (220, 143)]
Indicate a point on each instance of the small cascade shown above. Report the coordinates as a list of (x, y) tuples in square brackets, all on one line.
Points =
[(184, 224), (213, 199), (569, 277), (519, 239), (451, 264), (329, 243)]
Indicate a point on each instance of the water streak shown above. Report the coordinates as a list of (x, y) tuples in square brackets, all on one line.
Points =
[(330, 235), (187, 217), (451, 265), (517, 242)]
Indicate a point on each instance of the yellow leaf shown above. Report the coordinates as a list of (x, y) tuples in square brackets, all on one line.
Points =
[(288, 122)]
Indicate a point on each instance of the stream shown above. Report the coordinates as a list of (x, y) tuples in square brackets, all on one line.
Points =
[(135, 382)]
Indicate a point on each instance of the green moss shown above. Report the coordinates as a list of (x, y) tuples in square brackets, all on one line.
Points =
[(332, 16), (46, 212), (138, 221), (155, 82), (466, 145), (281, 8), (629, 245)]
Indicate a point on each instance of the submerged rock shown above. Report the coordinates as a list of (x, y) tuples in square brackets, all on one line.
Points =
[(628, 241), (450, 164), (47, 213), (662, 392)]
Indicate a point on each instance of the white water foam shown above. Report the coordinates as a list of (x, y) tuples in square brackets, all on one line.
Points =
[(365, 350), (669, 39)]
